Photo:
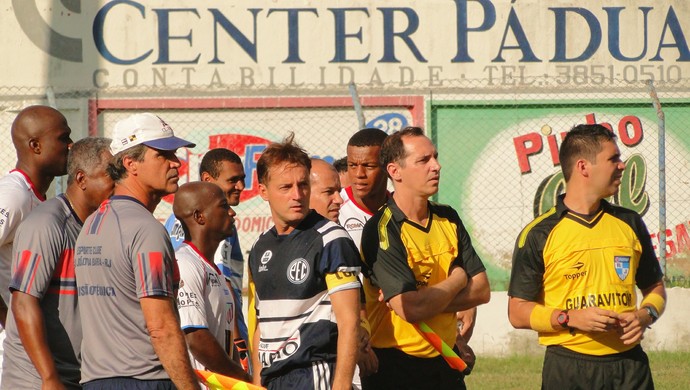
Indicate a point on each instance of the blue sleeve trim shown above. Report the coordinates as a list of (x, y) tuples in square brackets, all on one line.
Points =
[(194, 327)]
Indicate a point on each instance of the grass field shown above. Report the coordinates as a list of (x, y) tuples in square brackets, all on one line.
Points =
[(671, 371)]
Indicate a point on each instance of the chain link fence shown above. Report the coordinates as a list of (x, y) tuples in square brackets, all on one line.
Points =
[(497, 138)]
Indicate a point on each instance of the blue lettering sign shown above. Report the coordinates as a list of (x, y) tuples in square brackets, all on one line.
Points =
[(389, 33), (164, 36), (99, 28)]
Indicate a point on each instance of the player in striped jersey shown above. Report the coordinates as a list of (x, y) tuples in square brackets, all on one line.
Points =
[(43, 341), (303, 284)]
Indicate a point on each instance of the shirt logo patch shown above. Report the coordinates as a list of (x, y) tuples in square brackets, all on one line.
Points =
[(212, 279), (352, 224), (164, 126), (578, 265), (275, 351), (298, 271), (265, 258), (622, 265)]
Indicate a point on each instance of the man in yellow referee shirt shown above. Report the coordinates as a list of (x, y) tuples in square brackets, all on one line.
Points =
[(420, 257), (574, 274)]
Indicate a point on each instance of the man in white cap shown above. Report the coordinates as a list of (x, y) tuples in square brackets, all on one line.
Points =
[(124, 265)]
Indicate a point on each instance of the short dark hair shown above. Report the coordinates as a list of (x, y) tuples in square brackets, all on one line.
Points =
[(340, 164), (85, 155), (277, 153), (368, 137), (116, 170), (393, 149), (582, 141), (211, 163)]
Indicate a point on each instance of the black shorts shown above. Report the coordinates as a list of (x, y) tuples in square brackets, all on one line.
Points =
[(399, 371), (565, 369), (317, 377)]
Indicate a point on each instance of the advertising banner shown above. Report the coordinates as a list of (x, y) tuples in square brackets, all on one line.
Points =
[(211, 43), (501, 170)]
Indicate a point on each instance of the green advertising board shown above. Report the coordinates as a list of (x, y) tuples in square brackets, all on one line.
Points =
[(500, 169)]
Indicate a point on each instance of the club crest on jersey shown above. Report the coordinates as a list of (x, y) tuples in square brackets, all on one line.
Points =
[(622, 265), (212, 279), (265, 258), (298, 271)]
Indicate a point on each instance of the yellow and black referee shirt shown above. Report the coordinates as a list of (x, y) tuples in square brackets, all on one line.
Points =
[(402, 256), (571, 261)]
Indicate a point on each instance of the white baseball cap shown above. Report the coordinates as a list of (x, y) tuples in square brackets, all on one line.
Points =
[(147, 129)]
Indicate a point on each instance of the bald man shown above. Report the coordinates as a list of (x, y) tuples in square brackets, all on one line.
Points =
[(43, 341), (205, 303), (41, 138), (325, 189)]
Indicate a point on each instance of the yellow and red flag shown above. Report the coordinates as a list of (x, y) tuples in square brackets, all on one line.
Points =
[(221, 382)]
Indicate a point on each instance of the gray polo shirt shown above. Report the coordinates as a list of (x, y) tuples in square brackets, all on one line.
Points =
[(43, 267), (123, 254)]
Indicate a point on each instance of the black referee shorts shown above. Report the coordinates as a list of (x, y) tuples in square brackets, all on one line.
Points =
[(400, 371), (565, 369)]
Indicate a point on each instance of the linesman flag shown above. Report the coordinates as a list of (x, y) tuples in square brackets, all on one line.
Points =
[(221, 382), (446, 351)]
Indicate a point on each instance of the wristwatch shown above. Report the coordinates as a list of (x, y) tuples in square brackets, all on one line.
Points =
[(563, 319), (653, 314)]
